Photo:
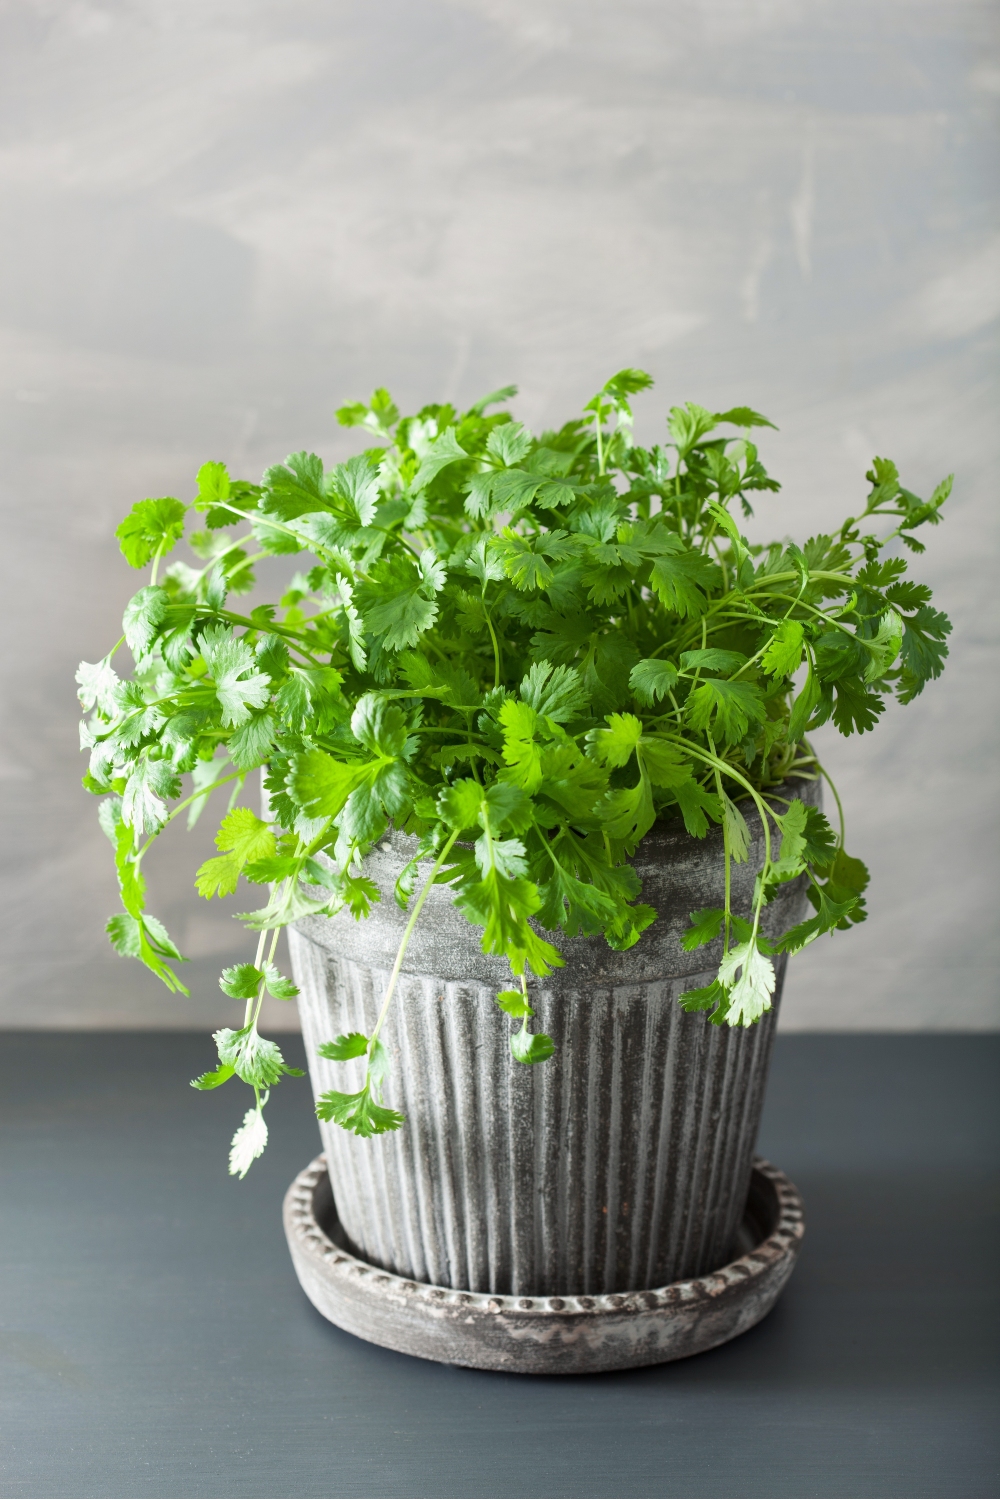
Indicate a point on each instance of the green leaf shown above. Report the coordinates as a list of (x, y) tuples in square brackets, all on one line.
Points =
[(736, 830), (688, 424), (712, 997), (252, 743), (309, 693), (213, 485), (251, 1057), (358, 1113), (744, 416), (241, 981), (884, 646), (379, 416), (783, 654), (712, 660), (705, 928), (242, 837), (855, 708), (322, 785), (697, 806), (821, 845), (399, 604), (526, 560), (248, 1143), (680, 580), (445, 450), (574, 905), (923, 650), (509, 443), (495, 398), (651, 680), (803, 708), (277, 986), (555, 693), (221, 1074), (728, 708), (144, 614), (239, 687), (521, 752), (343, 1048), (379, 726), (151, 527), (149, 782), (615, 745), (663, 763), (531, 1048), (98, 681), (353, 487), (146, 939), (514, 1003), (750, 993)]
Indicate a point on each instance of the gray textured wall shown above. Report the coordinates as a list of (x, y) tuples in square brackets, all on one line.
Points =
[(221, 219)]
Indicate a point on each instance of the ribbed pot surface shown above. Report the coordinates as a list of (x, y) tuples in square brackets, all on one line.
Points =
[(622, 1163)]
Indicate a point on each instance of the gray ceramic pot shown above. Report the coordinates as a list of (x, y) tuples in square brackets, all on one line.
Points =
[(622, 1163)]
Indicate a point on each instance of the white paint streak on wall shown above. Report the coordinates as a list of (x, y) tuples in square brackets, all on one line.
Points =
[(963, 300), (803, 206)]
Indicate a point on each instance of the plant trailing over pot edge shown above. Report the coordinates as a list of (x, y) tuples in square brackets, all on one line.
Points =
[(521, 650)]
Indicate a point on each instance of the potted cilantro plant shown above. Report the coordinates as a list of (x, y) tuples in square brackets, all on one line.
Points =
[(533, 725)]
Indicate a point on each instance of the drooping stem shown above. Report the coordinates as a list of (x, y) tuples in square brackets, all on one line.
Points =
[(496, 644), (836, 796), (203, 791), (404, 941), (725, 845), (270, 961)]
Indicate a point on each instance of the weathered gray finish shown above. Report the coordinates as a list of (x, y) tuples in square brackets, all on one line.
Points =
[(622, 1163), (556, 1335)]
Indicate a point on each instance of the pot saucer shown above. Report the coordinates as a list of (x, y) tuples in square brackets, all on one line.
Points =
[(567, 1335)]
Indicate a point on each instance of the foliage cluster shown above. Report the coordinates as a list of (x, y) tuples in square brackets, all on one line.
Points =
[(522, 649)]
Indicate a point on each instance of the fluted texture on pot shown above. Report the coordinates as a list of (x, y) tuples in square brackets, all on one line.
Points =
[(622, 1163)]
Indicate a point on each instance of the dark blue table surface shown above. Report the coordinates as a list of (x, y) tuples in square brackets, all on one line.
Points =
[(155, 1341)]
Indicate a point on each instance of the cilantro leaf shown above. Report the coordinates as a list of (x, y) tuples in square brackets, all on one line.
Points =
[(750, 993), (681, 578), (531, 1047), (239, 687), (651, 680), (151, 528), (248, 1143), (514, 1003), (355, 1044), (705, 928), (553, 692), (728, 708), (445, 450), (783, 654), (144, 614), (242, 837)]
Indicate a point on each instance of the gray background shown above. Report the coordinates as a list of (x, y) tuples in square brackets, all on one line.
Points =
[(220, 220)]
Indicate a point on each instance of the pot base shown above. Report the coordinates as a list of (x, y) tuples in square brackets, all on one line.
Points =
[(568, 1335)]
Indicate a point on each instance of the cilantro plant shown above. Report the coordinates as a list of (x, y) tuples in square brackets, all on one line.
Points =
[(523, 650)]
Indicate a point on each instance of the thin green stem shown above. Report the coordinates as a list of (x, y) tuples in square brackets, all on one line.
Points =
[(404, 941), (726, 849), (270, 960), (496, 652), (836, 795), (248, 1013), (204, 791), (156, 561)]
